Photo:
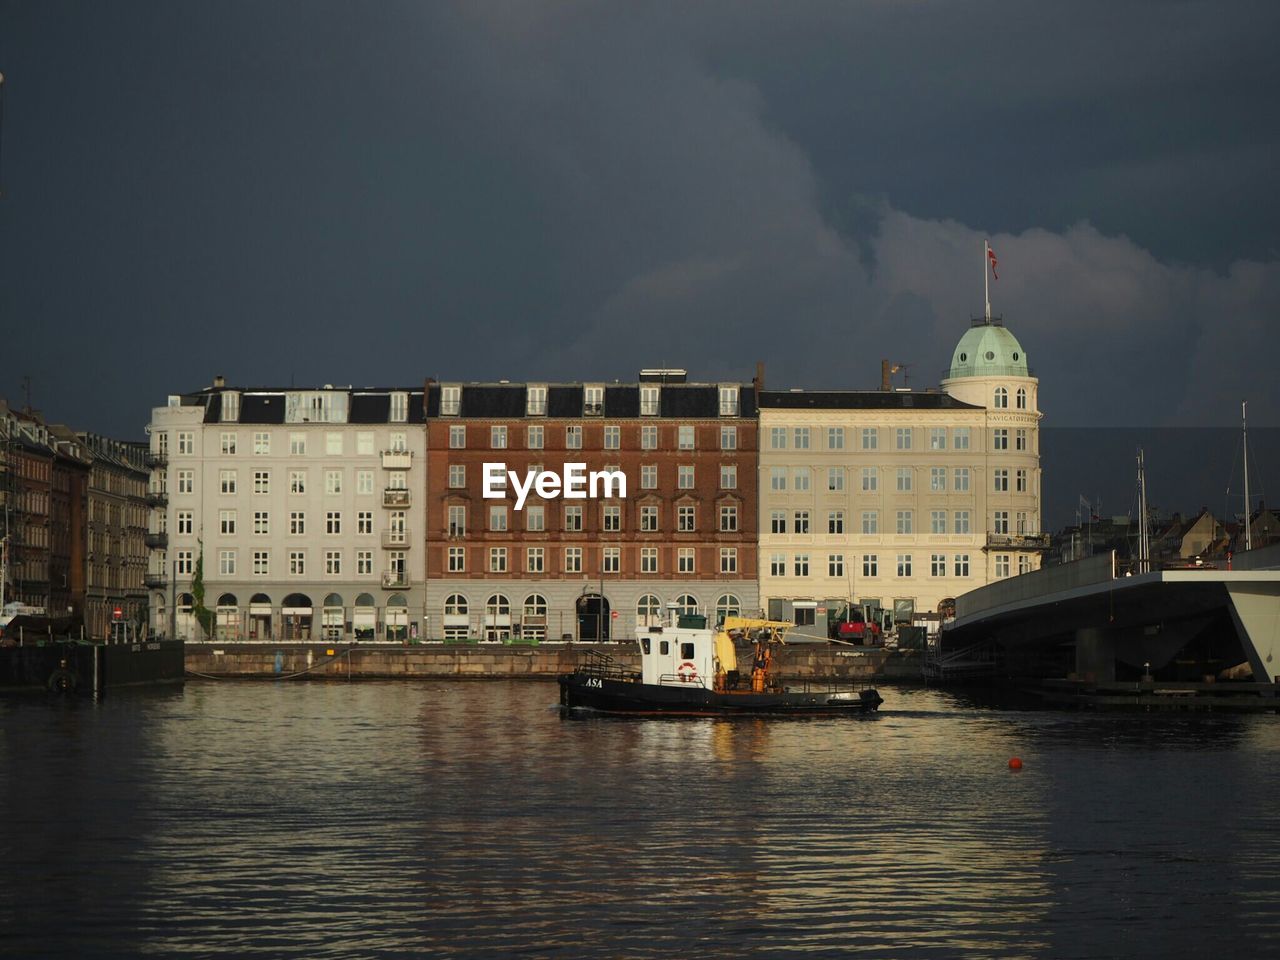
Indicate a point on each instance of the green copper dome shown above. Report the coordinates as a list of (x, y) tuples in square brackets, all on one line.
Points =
[(988, 350)]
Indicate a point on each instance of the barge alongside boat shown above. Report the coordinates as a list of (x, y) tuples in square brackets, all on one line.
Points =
[(690, 670), (34, 658)]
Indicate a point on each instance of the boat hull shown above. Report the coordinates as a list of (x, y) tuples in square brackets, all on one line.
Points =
[(90, 669), (625, 696)]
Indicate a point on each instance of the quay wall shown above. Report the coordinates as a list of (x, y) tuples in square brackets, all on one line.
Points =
[(321, 661)]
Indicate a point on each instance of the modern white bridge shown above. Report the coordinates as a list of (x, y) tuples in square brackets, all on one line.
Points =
[(1081, 619)]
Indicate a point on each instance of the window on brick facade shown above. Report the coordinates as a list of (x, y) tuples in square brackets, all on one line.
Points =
[(686, 518), (728, 518)]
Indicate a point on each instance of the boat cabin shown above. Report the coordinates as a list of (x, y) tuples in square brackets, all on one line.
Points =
[(681, 651)]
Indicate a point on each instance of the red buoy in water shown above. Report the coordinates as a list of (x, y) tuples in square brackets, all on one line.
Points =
[(1015, 764)]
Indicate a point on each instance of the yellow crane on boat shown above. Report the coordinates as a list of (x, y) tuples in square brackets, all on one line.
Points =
[(763, 633)]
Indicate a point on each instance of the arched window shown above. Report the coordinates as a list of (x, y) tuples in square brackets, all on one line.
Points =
[(364, 618), (687, 603), (456, 626), (497, 618), (727, 606), (333, 618), (296, 617), (185, 620), (649, 611), (396, 618), (533, 623), (227, 618), (1002, 398), (260, 619), (1022, 398)]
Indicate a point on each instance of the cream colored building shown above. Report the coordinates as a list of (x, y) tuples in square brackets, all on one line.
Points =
[(901, 500), (306, 505)]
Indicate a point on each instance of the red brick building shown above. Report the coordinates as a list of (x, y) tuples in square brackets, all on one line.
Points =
[(44, 485), (602, 565)]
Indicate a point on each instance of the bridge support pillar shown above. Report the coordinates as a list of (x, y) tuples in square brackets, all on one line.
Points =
[(1095, 655), (1255, 608)]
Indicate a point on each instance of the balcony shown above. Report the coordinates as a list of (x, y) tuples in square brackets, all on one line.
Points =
[(396, 459), (395, 497), (156, 541), (395, 540), (155, 459), (395, 580), (154, 581), (157, 498), (1018, 541)]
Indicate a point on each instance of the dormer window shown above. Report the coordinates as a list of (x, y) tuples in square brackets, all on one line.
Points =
[(648, 400), (230, 406), (399, 407), (593, 401), (536, 401), (729, 401), (450, 401)]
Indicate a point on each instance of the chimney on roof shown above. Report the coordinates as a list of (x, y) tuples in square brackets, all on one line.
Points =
[(219, 382)]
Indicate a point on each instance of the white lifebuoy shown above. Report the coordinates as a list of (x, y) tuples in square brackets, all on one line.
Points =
[(687, 672)]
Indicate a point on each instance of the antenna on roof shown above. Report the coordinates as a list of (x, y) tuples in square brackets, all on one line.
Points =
[(1, 135)]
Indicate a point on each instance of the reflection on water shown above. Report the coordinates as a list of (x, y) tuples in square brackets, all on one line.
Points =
[(470, 819)]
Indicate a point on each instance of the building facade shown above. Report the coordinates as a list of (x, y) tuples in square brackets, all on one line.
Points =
[(28, 485), (608, 563), (299, 512), (897, 500), (45, 484), (585, 511), (116, 517)]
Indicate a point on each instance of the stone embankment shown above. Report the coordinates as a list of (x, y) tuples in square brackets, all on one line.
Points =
[(368, 661)]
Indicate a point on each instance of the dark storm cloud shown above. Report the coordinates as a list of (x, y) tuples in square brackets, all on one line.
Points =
[(377, 193)]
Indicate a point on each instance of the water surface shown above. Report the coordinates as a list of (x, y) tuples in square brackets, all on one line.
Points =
[(469, 819)]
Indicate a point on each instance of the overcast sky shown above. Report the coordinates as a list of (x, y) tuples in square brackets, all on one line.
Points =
[(374, 193)]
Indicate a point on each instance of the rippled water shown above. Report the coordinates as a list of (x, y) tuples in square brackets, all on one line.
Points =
[(470, 819)]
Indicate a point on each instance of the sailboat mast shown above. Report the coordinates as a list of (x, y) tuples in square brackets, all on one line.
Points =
[(1248, 509), (1144, 535)]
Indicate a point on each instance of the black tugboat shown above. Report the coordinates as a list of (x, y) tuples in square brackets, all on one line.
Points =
[(690, 670)]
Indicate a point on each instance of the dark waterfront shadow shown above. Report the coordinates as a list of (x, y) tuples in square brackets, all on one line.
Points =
[(79, 797)]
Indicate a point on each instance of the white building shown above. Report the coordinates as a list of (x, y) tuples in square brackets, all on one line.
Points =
[(305, 505), (901, 500)]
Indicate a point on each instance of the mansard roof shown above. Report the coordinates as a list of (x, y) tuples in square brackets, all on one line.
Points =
[(503, 401), (860, 400)]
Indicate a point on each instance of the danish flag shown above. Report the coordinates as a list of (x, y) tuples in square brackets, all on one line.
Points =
[(991, 255)]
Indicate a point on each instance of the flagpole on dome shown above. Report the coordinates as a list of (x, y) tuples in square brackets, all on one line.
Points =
[(986, 283), (990, 260)]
